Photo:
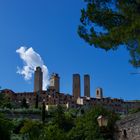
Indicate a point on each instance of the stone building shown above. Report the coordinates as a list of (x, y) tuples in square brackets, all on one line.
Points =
[(128, 128), (55, 82), (38, 79), (53, 96), (86, 85), (99, 93), (76, 86)]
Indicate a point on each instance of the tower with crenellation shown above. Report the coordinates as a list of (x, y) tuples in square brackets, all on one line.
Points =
[(55, 82)]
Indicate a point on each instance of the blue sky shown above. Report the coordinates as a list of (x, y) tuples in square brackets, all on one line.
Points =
[(50, 28)]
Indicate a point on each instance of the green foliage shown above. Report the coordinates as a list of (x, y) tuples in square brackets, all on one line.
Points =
[(1, 99), (5, 101), (24, 103), (59, 117), (36, 101), (53, 132), (62, 119), (87, 126), (43, 112), (31, 130), (65, 125), (108, 24), (5, 128), (20, 111), (132, 111), (17, 125), (72, 112), (16, 137)]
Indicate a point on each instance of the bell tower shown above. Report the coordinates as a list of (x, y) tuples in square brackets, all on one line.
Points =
[(55, 82), (99, 93)]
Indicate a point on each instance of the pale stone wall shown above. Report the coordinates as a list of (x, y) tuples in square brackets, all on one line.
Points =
[(99, 93), (128, 128)]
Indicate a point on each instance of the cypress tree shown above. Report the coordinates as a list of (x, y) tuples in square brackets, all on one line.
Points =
[(36, 101), (43, 112)]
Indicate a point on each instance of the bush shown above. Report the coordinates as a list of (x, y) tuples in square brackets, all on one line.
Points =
[(20, 111), (5, 128)]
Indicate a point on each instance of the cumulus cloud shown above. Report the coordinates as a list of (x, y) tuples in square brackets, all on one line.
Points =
[(31, 60)]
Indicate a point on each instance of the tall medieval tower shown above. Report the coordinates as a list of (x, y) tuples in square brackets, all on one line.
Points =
[(38, 77), (86, 85), (55, 82), (76, 86)]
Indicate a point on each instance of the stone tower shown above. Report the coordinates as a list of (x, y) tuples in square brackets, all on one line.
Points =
[(55, 82), (86, 85), (99, 93), (38, 78), (76, 86)]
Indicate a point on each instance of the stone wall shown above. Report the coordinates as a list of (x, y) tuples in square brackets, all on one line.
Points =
[(128, 128), (23, 116)]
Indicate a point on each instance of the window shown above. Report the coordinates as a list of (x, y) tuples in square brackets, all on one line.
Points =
[(124, 133), (97, 92)]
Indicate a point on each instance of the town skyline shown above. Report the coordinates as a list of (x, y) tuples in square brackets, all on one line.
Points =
[(61, 49)]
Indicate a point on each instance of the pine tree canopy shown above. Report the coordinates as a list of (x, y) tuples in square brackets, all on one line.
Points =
[(108, 24)]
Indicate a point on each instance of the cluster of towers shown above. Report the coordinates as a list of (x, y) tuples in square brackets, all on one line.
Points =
[(55, 84), (38, 81), (77, 85)]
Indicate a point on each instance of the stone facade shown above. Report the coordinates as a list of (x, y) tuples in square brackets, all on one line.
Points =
[(76, 86), (128, 128), (99, 93), (55, 82), (53, 96), (86, 85), (38, 79)]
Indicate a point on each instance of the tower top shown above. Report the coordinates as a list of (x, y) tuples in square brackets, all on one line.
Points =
[(99, 93), (76, 74), (38, 68), (54, 75), (55, 82), (86, 75)]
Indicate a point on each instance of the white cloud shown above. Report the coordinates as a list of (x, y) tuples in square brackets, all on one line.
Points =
[(31, 60)]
